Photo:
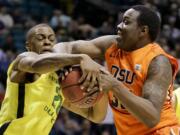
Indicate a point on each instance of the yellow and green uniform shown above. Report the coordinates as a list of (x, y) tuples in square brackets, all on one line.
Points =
[(177, 94), (31, 108)]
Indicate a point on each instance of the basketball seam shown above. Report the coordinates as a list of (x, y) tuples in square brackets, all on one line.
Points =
[(86, 96), (70, 85)]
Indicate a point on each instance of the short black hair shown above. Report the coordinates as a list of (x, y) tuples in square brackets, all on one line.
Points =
[(31, 30), (150, 18)]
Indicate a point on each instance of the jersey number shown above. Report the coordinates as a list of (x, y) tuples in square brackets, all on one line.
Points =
[(116, 103), (57, 101)]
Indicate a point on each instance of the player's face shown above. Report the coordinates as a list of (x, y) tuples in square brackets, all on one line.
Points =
[(129, 30), (43, 40)]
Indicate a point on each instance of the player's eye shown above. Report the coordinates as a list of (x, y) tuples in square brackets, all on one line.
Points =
[(39, 37), (125, 21), (52, 38)]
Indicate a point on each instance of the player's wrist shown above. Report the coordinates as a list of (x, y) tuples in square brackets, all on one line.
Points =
[(84, 57)]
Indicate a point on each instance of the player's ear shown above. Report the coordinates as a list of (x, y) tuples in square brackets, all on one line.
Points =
[(28, 46), (144, 30)]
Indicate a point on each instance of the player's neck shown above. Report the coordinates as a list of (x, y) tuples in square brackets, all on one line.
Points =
[(141, 43)]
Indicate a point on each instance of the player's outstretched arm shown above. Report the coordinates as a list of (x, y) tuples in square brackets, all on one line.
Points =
[(95, 48), (31, 62), (95, 114), (42, 63)]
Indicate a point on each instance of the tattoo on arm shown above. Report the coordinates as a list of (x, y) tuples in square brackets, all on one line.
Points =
[(159, 78)]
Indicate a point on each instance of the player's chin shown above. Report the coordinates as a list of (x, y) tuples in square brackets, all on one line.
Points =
[(120, 38)]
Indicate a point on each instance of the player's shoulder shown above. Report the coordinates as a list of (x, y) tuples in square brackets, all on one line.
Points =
[(104, 42), (113, 39), (108, 38), (160, 60), (160, 65)]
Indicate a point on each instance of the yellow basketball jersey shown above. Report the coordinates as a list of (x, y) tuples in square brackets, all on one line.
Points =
[(177, 94), (31, 108)]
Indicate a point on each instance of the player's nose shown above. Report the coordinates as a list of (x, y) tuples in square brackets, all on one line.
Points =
[(119, 27), (47, 42)]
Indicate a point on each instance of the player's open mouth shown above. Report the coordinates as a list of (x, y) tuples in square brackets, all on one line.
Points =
[(119, 32), (47, 50)]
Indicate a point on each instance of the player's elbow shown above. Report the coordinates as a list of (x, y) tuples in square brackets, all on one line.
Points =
[(153, 122), (28, 66), (98, 119)]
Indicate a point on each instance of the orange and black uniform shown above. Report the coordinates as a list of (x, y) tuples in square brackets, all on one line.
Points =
[(131, 69)]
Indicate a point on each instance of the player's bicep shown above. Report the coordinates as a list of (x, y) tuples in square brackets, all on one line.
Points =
[(159, 78), (87, 47), (95, 48), (104, 42), (78, 47), (64, 47)]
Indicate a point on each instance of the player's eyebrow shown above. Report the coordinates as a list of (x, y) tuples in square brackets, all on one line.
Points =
[(126, 18), (40, 34)]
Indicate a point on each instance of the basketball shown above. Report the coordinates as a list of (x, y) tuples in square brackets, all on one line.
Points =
[(74, 94)]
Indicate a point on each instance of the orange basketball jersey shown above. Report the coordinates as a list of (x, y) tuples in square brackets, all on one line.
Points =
[(131, 68)]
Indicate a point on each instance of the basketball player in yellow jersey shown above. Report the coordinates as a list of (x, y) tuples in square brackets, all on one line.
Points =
[(33, 95), (176, 102)]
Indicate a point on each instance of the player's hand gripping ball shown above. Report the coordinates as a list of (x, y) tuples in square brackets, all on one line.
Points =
[(74, 94)]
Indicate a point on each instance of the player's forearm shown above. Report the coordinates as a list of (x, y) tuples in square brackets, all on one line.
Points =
[(87, 113), (80, 111), (138, 106), (98, 112), (83, 47), (95, 114), (53, 62)]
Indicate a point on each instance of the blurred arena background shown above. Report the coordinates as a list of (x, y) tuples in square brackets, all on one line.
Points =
[(73, 20)]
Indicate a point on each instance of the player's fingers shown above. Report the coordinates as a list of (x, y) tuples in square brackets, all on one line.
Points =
[(93, 82), (87, 80), (99, 82), (83, 77), (60, 73), (70, 69), (93, 89), (67, 70), (104, 71), (61, 76)]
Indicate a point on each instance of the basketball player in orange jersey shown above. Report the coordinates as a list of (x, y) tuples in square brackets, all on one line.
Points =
[(140, 87)]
